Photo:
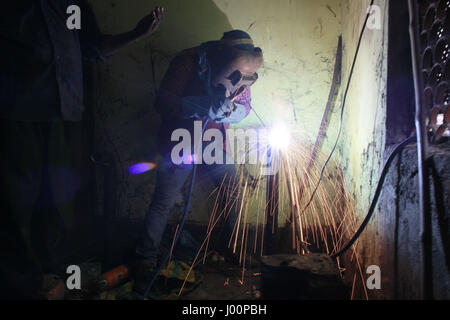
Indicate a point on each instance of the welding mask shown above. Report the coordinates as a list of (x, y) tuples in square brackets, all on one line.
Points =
[(227, 68), (241, 82), (239, 73), (230, 63)]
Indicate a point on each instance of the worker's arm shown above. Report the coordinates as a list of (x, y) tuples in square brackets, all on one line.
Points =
[(215, 106), (110, 44), (218, 108), (181, 73), (96, 45), (180, 80), (173, 101), (240, 109)]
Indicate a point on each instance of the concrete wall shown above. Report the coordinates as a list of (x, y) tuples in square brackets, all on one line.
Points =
[(401, 257), (362, 144)]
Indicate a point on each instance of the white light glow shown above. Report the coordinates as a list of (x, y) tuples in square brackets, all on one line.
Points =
[(279, 137)]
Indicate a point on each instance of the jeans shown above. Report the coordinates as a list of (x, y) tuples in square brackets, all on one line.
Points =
[(169, 182)]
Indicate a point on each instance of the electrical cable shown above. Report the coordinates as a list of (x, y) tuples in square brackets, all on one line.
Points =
[(259, 118), (373, 204), (183, 220), (341, 118)]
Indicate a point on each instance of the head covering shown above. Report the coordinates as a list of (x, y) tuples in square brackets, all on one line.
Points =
[(241, 50), (235, 40), (238, 39), (234, 51)]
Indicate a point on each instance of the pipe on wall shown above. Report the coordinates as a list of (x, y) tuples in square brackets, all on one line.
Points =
[(422, 144)]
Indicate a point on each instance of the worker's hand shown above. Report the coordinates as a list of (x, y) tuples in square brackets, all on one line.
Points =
[(234, 116), (150, 23), (222, 111)]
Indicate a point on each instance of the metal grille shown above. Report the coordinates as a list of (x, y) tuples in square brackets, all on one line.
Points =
[(434, 37)]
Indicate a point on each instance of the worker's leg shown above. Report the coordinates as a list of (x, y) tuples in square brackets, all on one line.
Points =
[(22, 162), (169, 182), (61, 182), (33, 168)]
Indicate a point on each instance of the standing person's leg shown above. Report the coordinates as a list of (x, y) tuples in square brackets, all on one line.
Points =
[(61, 183), (170, 181), (21, 169)]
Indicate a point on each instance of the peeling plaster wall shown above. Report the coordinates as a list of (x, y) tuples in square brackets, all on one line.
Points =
[(362, 143), (299, 40)]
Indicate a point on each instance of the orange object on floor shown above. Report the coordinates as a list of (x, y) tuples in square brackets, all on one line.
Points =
[(115, 276)]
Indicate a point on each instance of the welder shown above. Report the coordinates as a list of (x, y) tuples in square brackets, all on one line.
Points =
[(210, 83)]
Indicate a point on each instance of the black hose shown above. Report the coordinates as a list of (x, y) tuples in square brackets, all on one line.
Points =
[(373, 205), (422, 142), (341, 118)]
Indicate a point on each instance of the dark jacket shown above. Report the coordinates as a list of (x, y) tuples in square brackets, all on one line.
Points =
[(41, 75), (182, 80)]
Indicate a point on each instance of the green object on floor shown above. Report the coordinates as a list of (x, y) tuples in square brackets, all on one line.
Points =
[(178, 270), (123, 292), (167, 286), (171, 280)]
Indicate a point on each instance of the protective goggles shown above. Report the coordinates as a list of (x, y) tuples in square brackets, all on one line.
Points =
[(238, 79), (241, 82)]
